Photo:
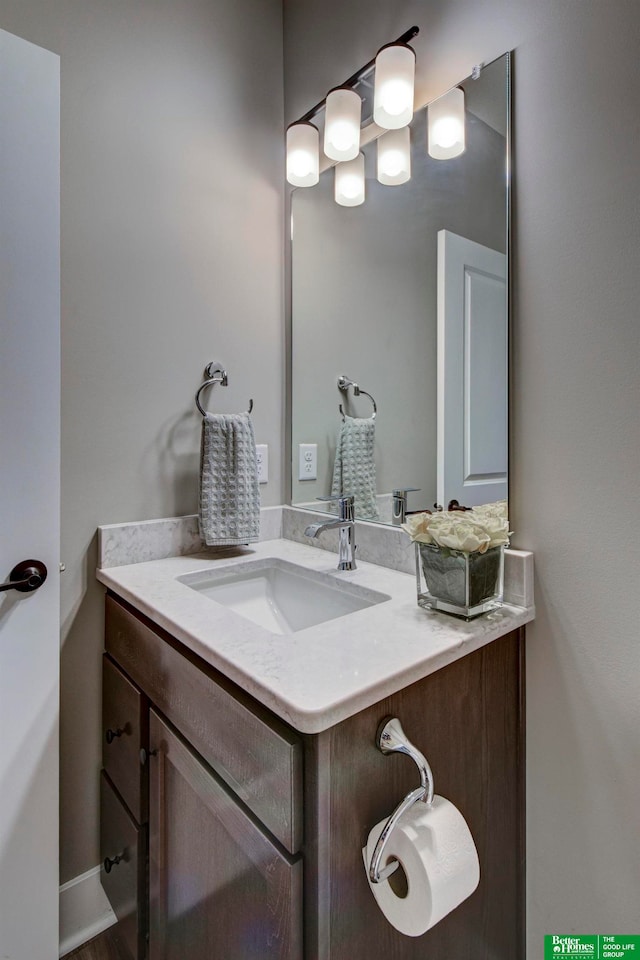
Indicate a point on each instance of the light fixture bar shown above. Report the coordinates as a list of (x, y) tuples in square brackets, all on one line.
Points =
[(358, 75)]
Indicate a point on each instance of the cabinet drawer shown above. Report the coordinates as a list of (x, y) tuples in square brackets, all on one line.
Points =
[(124, 882), (252, 751), (124, 733)]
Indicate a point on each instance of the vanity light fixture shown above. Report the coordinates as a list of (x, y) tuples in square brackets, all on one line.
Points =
[(342, 118), (393, 87), (343, 110), (303, 154), (446, 125), (394, 157), (349, 182)]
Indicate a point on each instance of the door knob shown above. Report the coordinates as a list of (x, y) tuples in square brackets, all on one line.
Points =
[(26, 577), (110, 863)]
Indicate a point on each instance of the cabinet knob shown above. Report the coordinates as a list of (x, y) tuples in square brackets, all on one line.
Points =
[(109, 864), (145, 754), (112, 734)]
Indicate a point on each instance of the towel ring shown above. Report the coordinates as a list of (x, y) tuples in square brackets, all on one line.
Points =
[(344, 383), (391, 738), (215, 373)]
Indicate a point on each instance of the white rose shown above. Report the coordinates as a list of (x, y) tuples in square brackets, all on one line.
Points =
[(498, 509), (458, 531), (497, 529), (417, 526)]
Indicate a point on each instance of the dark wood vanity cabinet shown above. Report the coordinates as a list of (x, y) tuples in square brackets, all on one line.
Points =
[(218, 783), (255, 831)]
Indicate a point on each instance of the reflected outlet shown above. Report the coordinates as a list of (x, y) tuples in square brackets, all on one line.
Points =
[(308, 461)]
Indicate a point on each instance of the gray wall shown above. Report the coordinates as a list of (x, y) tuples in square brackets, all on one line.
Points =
[(575, 400), (171, 256)]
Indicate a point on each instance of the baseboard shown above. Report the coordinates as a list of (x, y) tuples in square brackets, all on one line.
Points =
[(84, 910)]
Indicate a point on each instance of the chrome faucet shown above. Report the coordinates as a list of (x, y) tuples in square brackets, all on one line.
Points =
[(346, 528), (399, 508)]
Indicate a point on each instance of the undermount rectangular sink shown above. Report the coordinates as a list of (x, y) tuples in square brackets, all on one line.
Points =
[(280, 596)]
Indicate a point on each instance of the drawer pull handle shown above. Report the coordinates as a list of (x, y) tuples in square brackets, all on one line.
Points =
[(112, 734), (109, 864), (145, 754)]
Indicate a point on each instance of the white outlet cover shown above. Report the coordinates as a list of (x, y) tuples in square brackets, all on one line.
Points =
[(308, 461), (262, 456)]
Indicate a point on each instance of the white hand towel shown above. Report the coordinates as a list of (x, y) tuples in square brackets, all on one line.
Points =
[(229, 508), (354, 469)]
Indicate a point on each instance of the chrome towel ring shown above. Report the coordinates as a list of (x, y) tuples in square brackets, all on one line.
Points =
[(344, 383), (214, 373)]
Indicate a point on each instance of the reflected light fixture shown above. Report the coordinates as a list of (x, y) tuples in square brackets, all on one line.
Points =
[(303, 154), (393, 86), (394, 157), (342, 119), (349, 182), (446, 125)]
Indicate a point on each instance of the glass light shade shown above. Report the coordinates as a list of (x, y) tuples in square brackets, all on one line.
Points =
[(349, 182), (394, 157), (303, 155), (342, 118), (446, 125), (393, 86)]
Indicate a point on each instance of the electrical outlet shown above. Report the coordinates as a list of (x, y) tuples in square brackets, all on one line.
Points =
[(262, 456), (308, 461)]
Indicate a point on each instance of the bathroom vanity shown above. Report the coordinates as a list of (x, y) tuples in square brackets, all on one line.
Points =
[(241, 776)]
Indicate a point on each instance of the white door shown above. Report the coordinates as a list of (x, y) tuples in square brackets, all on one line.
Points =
[(29, 497), (472, 372)]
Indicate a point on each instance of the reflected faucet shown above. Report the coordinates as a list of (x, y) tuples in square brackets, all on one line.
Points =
[(346, 528), (399, 508)]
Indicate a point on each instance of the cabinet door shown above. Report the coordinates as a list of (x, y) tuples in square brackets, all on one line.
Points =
[(123, 871), (219, 888)]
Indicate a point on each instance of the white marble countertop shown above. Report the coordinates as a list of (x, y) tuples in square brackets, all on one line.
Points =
[(318, 676)]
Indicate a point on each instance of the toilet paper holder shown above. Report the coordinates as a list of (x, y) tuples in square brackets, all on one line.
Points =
[(391, 738)]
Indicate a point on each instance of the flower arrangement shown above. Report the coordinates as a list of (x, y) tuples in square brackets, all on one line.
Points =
[(468, 531), (459, 557)]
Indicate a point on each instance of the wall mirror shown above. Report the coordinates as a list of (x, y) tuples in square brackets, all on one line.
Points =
[(406, 296)]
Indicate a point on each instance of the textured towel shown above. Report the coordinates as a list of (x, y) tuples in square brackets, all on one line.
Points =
[(229, 508), (354, 470)]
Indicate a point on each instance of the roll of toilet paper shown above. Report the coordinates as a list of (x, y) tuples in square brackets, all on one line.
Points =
[(436, 851)]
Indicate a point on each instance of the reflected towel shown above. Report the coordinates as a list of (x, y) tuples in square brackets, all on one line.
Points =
[(229, 506), (354, 470)]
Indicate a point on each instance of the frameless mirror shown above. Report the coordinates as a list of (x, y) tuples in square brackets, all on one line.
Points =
[(405, 296)]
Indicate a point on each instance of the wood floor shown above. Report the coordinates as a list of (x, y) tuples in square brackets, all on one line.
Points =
[(104, 947)]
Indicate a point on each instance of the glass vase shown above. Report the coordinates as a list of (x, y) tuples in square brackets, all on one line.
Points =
[(463, 584)]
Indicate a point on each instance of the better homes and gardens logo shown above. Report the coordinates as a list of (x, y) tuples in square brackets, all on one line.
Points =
[(573, 946), (597, 947)]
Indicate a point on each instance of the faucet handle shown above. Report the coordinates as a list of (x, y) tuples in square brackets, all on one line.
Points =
[(403, 491), (345, 504)]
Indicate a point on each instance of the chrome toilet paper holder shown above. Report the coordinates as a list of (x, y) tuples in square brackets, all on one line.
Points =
[(391, 738)]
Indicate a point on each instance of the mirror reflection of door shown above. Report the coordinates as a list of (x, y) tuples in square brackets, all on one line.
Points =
[(472, 372)]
